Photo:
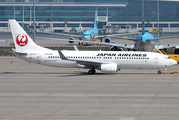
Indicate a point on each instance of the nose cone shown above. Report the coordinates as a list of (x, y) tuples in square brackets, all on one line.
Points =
[(86, 35), (173, 62)]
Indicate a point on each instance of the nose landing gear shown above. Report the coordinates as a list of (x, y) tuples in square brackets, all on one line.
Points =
[(160, 70)]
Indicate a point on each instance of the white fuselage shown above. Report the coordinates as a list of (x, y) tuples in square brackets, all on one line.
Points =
[(106, 61), (123, 59)]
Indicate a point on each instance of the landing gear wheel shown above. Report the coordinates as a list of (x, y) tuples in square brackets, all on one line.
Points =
[(159, 72), (92, 71)]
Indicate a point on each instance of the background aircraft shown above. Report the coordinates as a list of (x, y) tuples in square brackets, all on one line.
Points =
[(86, 35), (106, 61), (143, 42)]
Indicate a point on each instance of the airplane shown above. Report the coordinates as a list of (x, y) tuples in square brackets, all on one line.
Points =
[(106, 61), (87, 35), (144, 41)]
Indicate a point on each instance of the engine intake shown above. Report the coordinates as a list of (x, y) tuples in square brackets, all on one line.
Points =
[(115, 48), (71, 40), (107, 40), (176, 51)]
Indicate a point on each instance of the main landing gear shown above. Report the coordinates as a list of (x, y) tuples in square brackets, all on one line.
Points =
[(159, 72), (92, 71)]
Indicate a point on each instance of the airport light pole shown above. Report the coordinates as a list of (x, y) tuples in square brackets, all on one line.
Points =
[(14, 9), (30, 15), (34, 21), (158, 18), (23, 17)]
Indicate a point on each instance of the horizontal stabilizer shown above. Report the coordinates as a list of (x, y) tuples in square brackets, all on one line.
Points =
[(14, 52)]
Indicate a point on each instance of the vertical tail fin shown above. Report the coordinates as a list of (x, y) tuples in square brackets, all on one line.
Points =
[(21, 39), (95, 20), (143, 18)]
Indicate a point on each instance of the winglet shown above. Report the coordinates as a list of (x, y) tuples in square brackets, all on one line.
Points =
[(76, 49), (61, 55)]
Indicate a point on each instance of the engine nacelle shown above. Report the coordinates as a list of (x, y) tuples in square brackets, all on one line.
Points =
[(115, 48), (109, 68), (107, 40), (176, 51), (71, 38)]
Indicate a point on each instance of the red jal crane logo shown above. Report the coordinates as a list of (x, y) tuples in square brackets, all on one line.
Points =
[(21, 40)]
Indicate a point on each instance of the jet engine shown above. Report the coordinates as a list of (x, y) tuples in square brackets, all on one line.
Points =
[(176, 51), (71, 38), (109, 68), (107, 40), (115, 48)]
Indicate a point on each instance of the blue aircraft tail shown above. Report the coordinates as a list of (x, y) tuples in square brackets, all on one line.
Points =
[(95, 20), (143, 25), (143, 18)]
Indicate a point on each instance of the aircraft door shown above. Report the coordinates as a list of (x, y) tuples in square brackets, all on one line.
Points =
[(38, 57), (156, 58)]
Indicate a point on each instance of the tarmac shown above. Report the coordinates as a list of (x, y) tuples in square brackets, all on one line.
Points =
[(30, 91)]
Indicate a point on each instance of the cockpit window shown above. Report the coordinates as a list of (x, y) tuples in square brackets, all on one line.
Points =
[(167, 58), (86, 34)]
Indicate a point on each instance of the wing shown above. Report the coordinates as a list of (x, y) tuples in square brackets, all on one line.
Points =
[(81, 62), (100, 43), (58, 39), (63, 34), (117, 36), (168, 46), (163, 38)]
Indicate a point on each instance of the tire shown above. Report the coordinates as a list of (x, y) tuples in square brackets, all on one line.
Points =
[(159, 72), (90, 72)]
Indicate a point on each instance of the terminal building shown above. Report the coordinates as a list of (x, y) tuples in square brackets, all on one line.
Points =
[(76, 15)]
